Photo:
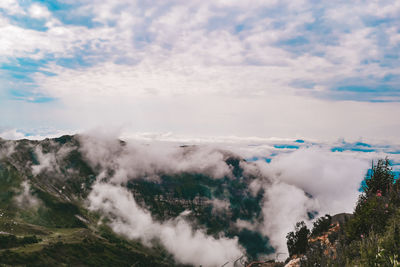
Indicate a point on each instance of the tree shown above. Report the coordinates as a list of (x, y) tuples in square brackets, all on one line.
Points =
[(297, 241), (373, 208), (321, 225), (379, 178)]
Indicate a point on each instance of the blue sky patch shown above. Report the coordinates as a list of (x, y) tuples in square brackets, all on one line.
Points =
[(25, 66), (29, 23), (303, 84), (297, 41), (30, 97), (286, 146), (356, 147), (362, 144), (19, 73), (267, 160), (66, 13)]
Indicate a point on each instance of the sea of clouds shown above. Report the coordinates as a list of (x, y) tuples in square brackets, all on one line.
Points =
[(297, 176), (289, 171)]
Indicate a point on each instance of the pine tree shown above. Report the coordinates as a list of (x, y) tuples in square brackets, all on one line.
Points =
[(379, 179), (297, 241)]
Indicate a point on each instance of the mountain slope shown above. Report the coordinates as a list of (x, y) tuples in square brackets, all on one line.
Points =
[(46, 216)]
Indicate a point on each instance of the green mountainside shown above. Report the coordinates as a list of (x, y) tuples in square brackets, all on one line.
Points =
[(58, 230), (44, 220)]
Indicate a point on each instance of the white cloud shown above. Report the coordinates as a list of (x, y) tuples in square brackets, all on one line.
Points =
[(187, 245), (12, 7), (139, 161), (132, 161), (38, 11), (305, 181), (49, 161), (219, 205), (217, 68), (332, 179), (309, 180), (59, 40), (12, 134), (25, 197), (284, 205), (178, 50), (33, 134)]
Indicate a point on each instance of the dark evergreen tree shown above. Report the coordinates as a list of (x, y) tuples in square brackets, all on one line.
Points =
[(379, 179), (297, 241), (321, 225)]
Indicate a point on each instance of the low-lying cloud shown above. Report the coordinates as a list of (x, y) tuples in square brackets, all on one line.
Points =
[(133, 160), (309, 181), (331, 178), (187, 245), (295, 184), (25, 198)]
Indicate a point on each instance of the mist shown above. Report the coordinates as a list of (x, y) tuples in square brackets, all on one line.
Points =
[(308, 181), (131, 161), (177, 236), (295, 184), (24, 198)]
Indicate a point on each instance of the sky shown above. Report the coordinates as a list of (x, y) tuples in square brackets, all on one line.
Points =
[(299, 84), (291, 69)]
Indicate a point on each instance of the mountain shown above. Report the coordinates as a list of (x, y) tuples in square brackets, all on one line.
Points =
[(58, 205), (43, 219)]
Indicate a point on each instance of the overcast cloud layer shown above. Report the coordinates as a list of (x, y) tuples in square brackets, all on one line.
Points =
[(265, 68)]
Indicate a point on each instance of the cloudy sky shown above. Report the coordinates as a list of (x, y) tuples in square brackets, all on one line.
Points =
[(298, 68)]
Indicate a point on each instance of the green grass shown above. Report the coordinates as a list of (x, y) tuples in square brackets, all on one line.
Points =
[(83, 247)]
